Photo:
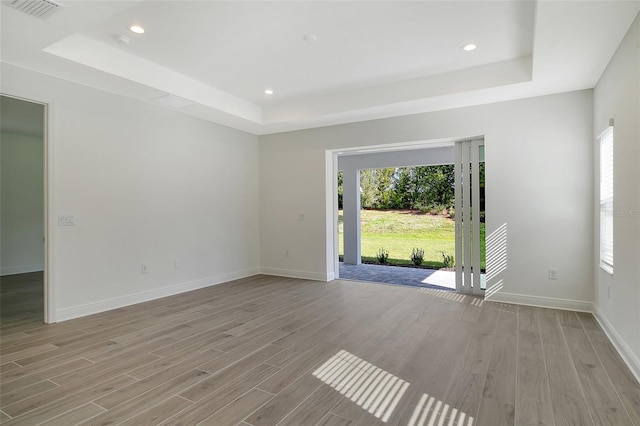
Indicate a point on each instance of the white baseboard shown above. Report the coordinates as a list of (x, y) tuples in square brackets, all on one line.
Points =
[(24, 269), (131, 299), (291, 273), (631, 359), (542, 302)]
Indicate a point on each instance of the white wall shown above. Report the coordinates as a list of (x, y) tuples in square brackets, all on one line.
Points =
[(22, 227), (539, 181), (617, 96), (146, 185), (404, 158)]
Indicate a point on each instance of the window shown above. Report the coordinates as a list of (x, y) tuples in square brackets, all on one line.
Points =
[(606, 200)]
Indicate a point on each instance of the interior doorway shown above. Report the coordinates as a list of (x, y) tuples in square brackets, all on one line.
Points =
[(23, 225)]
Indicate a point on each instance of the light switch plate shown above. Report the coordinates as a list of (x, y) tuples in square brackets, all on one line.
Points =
[(65, 220)]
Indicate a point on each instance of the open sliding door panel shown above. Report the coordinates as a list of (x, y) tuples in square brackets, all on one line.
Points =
[(468, 213)]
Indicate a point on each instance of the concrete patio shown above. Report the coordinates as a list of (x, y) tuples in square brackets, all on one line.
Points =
[(429, 278)]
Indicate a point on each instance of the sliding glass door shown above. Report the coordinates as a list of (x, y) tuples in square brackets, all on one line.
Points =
[(469, 216)]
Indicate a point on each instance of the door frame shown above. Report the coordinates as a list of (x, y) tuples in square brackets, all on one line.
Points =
[(331, 194), (48, 201)]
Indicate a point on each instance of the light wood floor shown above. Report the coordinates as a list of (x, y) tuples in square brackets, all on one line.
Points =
[(267, 351)]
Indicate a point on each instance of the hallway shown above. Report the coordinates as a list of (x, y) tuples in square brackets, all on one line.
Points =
[(21, 299)]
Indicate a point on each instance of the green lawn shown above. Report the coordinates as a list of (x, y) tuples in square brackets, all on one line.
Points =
[(399, 231)]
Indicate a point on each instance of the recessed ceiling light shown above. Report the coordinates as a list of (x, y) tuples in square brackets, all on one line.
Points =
[(310, 38), (137, 29), (469, 47), (268, 92)]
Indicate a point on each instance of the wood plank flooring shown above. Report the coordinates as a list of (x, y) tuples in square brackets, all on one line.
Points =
[(276, 351)]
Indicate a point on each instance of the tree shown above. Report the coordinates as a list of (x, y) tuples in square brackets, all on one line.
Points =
[(369, 193), (434, 186), (415, 188), (340, 189), (384, 179), (402, 188)]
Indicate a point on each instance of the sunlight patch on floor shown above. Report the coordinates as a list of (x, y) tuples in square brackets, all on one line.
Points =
[(378, 392), (444, 294), (372, 388), (442, 279), (431, 412)]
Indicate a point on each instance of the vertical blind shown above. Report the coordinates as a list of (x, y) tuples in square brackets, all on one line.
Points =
[(606, 199)]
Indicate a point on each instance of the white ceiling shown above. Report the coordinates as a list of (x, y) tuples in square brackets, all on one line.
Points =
[(371, 59)]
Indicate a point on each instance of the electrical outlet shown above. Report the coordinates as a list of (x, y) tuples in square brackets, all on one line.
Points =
[(176, 263), (553, 274), (286, 253), (144, 269)]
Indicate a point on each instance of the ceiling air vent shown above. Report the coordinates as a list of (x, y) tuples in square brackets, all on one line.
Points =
[(38, 8), (173, 101)]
